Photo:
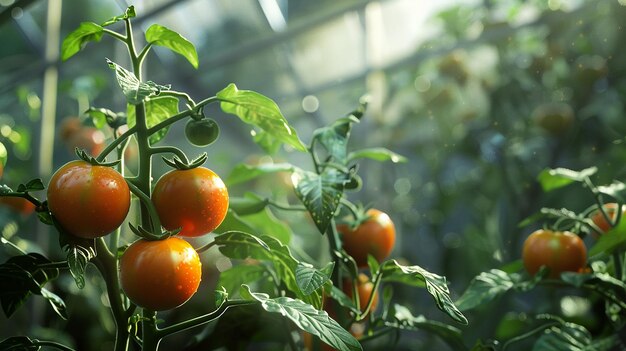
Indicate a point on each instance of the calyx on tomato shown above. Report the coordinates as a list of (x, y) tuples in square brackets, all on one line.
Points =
[(182, 165)]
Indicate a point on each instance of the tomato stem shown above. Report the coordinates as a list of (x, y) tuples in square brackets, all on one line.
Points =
[(201, 320), (175, 118), (107, 264), (115, 143), (147, 203)]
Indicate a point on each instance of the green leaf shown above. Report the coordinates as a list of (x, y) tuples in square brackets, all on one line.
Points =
[(56, 302), (610, 241), (484, 288), (22, 276), (3, 154), (248, 204), (100, 116), (320, 194), (162, 36), (551, 179), (338, 295), (307, 318), (239, 245), (258, 110), (77, 259), (266, 141), (243, 172), (334, 138), (402, 318), (32, 185), (378, 154), (232, 278), (310, 279), (265, 222), (616, 190), (603, 283), (565, 337), (75, 41), (158, 109), (19, 343), (233, 223), (436, 285), (135, 90), (129, 13)]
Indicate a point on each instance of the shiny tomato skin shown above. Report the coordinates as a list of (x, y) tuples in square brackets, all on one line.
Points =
[(88, 201), (375, 236), (18, 204), (559, 251), (599, 220), (160, 275), (195, 200)]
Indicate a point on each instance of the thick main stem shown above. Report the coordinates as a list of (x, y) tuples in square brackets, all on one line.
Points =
[(107, 264)]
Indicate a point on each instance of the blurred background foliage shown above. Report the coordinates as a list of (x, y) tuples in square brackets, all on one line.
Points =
[(480, 96)]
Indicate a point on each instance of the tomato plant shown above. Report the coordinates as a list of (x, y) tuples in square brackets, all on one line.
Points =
[(559, 251), (161, 274), (88, 201), (375, 235), (195, 200)]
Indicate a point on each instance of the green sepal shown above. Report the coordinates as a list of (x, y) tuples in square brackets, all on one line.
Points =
[(179, 164), (83, 155)]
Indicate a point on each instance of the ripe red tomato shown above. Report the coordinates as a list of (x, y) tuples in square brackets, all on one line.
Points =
[(559, 251), (160, 275), (88, 201), (89, 138), (195, 200), (68, 127), (365, 288), (599, 220), (18, 204), (375, 236)]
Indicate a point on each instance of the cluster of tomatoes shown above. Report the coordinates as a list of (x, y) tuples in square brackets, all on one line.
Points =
[(563, 251), (374, 235), (90, 201)]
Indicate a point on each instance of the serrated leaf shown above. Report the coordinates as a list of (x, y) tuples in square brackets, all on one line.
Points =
[(436, 285), (162, 36), (402, 318), (377, 154), (77, 259), (258, 110), (75, 41), (307, 318), (266, 141), (239, 245), (233, 223), (484, 288), (243, 172), (320, 193), (551, 179), (135, 90), (129, 13), (158, 109), (310, 279)]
